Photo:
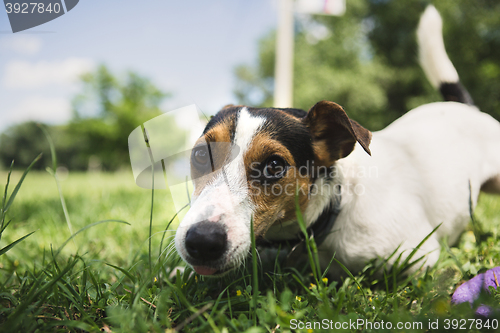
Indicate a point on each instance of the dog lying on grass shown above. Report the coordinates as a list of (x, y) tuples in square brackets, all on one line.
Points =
[(362, 194)]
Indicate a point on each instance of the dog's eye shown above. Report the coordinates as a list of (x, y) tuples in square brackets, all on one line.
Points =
[(200, 156), (275, 167)]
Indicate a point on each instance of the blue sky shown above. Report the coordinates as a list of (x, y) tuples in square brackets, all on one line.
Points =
[(189, 48)]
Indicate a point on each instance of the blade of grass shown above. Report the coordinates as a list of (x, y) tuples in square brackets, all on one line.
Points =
[(458, 264), (328, 267), (255, 278), (303, 228), (384, 262), (4, 198), (53, 172), (51, 145), (146, 140), (7, 203), (4, 227), (19, 183), (296, 275), (83, 229), (61, 198), (219, 298), (412, 253), (11, 245), (168, 226), (353, 278)]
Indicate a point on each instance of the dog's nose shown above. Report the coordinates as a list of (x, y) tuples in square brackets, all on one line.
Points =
[(206, 240)]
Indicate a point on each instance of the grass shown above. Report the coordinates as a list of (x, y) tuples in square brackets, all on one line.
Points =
[(102, 279)]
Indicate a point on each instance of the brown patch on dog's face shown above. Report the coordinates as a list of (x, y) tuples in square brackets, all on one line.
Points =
[(214, 155), (273, 193)]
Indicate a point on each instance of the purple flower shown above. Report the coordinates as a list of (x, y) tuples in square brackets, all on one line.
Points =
[(470, 290)]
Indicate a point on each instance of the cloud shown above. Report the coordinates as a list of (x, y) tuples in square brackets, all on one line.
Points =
[(22, 44), (24, 74), (42, 109)]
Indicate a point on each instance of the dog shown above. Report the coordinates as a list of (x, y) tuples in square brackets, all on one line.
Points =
[(363, 195)]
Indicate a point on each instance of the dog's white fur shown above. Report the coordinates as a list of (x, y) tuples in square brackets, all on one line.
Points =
[(425, 162), (428, 165), (226, 197)]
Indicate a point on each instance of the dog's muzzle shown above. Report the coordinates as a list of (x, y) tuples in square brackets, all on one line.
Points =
[(206, 242)]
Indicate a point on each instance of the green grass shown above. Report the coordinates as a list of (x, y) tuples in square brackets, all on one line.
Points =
[(101, 279)]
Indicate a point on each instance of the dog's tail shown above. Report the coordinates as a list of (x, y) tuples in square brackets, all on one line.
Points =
[(433, 58)]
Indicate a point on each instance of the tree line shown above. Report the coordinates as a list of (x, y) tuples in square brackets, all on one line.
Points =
[(104, 114)]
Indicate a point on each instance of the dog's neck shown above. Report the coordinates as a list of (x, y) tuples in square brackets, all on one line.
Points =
[(321, 212), (320, 229)]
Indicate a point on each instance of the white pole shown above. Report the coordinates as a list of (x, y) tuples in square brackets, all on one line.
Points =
[(283, 75)]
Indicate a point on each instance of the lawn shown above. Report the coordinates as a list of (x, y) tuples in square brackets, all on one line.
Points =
[(110, 277)]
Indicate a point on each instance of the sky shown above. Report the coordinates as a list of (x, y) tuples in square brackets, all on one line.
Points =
[(188, 48)]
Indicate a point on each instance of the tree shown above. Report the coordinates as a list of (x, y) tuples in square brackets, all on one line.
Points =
[(107, 111), (367, 60), (472, 40), (21, 144)]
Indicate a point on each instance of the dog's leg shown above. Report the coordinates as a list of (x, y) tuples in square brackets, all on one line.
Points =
[(492, 185)]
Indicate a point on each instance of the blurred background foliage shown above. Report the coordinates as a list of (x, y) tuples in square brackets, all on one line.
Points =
[(104, 113), (365, 60)]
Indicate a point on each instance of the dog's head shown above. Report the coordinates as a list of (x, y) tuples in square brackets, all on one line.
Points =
[(252, 163)]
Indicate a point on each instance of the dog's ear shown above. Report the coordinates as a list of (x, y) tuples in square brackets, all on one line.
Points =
[(229, 106), (334, 134)]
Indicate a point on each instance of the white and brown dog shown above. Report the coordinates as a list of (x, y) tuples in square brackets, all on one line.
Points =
[(362, 194)]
